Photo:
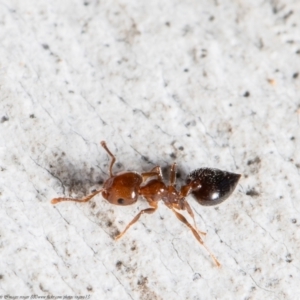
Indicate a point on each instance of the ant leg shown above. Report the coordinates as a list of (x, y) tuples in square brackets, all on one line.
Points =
[(156, 171), (191, 213), (183, 205), (85, 199), (113, 159), (184, 192), (195, 233), (147, 211), (173, 175)]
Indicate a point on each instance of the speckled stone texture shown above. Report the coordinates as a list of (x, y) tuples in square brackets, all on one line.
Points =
[(203, 83)]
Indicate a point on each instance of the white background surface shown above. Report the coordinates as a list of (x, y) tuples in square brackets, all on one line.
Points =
[(217, 78)]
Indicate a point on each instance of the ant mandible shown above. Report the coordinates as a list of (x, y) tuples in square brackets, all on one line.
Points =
[(208, 187)]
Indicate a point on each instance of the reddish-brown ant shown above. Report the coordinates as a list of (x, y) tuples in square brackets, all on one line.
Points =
[(208, 186)]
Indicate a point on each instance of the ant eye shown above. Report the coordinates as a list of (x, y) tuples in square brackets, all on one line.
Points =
[(121, 201)]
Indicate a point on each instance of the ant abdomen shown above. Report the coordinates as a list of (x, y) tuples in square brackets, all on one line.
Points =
[(216, 185)]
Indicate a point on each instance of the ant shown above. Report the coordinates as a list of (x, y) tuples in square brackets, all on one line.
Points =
[(208, 186)]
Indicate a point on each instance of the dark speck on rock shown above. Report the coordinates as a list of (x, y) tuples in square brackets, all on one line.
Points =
[(246, 94)]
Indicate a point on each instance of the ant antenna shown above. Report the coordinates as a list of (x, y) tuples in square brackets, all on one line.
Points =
[(113, 159)]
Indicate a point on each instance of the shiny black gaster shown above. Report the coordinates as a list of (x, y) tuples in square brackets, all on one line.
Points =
[(216, 185)]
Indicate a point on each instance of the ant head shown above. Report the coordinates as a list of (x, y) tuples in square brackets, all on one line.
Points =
[(122, 189)]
